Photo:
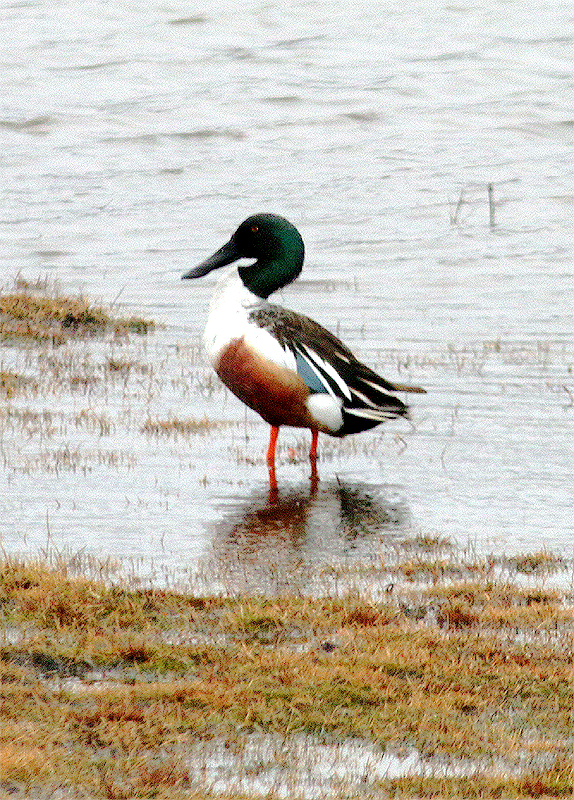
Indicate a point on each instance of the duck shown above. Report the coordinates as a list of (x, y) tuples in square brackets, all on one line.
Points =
[(285, 366)]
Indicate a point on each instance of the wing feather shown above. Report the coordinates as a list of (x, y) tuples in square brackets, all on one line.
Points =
[(328, 366), (311, 374), (327, 369)]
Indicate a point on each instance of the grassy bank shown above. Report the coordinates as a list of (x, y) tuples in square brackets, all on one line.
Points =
[(39, 312), (107, 690)]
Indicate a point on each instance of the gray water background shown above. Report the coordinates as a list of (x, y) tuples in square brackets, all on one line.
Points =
[(136, 136)]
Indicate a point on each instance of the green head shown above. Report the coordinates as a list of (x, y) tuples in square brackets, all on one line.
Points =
[(273, 241)]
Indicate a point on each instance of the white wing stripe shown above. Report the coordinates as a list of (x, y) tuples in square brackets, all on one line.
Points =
[(328, 369), (367, 413), (364, 399), (376, 386), (342, 356)]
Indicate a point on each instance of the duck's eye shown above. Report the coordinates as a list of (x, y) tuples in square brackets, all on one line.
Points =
[(254, 228)]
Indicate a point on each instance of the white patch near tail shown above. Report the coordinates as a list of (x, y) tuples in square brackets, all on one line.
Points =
[(326, 410)]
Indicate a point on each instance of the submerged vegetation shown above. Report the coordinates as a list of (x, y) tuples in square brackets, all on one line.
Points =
[(110, 690), (174, 426), (11, 383)]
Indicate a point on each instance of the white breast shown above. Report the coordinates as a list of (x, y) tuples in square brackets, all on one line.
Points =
[(231, 305)]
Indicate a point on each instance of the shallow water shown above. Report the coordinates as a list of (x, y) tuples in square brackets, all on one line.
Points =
[(136, 138)]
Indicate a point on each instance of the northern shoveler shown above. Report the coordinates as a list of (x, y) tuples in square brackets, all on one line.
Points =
[(286, 366)]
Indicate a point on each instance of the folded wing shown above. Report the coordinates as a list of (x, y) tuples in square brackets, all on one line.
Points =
[(328, 366)]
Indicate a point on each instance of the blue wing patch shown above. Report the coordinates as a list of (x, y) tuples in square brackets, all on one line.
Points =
[(309, 375)]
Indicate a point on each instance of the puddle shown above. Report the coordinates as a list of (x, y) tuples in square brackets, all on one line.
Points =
[(300, 766), (158, 467), (306, 767)]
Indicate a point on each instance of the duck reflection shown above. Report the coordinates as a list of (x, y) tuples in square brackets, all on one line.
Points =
[(286, 540)]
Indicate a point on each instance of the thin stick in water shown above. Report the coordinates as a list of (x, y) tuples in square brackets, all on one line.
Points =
[(454, 217), (491, 205)]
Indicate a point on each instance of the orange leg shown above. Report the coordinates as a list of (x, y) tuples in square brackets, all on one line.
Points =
[(313, 459), (273, 489), (272, 443), (313, 450), (271, 463)]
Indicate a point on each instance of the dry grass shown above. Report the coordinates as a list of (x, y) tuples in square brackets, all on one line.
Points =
[(39, 313), (105, 687), (11, 383), (173, 426)]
